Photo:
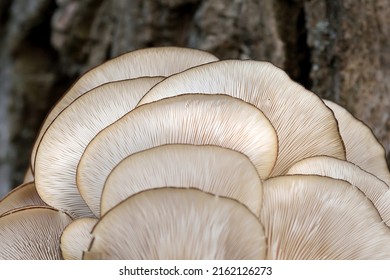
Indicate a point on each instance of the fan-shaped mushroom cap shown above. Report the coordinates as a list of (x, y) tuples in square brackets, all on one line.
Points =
[(189, 119), (314, 217), (371, 186), (212, 169), (173, 223), (22, 196), (65, 140), (161, 61), (32, 233), (361, 146), (304, 125), (76, 238)]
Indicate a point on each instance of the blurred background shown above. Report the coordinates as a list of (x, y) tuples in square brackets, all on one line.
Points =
[(339, 49)]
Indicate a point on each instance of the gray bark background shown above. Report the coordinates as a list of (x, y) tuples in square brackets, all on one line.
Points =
[(340, 49)]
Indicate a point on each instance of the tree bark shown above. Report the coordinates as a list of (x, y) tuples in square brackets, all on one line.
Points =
[(338, 49)]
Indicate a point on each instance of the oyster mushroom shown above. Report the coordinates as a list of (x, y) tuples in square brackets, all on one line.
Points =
[(173, 223), (76, 238), (362, 147), (22, 196), (32, 233), (189, 119), (313, 217), (160, 61), (373, 188), (300, 118), (191, 170), (66, 138), (212, 169)]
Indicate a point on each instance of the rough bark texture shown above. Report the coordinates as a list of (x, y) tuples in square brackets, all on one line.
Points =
[(338, 49)]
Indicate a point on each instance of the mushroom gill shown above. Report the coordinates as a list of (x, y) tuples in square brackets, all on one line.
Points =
[(373, 188), (22, 196), (314, 217), (65, 140), (167, 153), (361, 146), (32, 233), (301, 120), (174, 223), (212, 169), (76, 237), (196, 119), (151, 62)]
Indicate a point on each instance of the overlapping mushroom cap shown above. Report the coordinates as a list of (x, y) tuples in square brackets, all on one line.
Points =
[(167, 153)]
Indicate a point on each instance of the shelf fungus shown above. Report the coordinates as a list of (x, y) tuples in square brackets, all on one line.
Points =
[(169, 153)]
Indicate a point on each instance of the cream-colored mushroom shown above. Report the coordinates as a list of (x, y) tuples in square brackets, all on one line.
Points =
[(173, 223), (301, 120), (212, 169), (189, 119), (188, 167), (76, 238), (22, 196), (362, 147), (160, 61), (66, 138), (313, 217), (373, 188), (32, 233)]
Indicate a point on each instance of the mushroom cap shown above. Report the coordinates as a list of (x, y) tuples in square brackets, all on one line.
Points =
[(314, 217), (76, 238), (32, 233), (304, 125), (361, 146), (175, 223), (212, 169), (65, 140), (368, 184), (22, 196), (160, 61), (189, 119)]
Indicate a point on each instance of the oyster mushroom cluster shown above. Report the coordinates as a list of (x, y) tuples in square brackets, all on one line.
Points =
[(169, 153)]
